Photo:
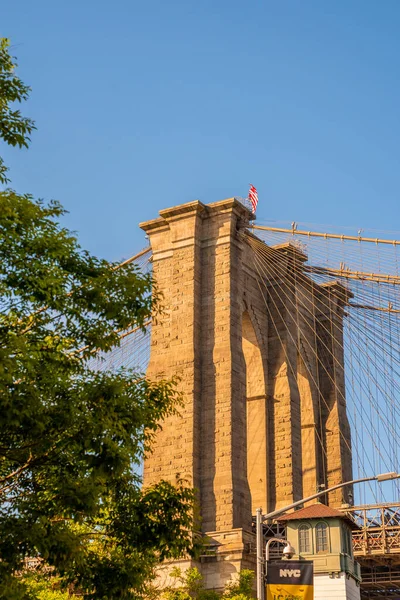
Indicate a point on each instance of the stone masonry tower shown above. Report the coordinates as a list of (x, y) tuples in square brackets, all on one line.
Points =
[(262, 422)]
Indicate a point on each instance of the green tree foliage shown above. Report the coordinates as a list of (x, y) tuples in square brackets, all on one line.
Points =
[(42, 586), (14, 128), (70, 435), (190, 586), (242, 588)]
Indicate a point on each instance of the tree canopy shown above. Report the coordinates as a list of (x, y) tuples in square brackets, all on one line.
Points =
[(14, 128), (191, 586), (70, 435)]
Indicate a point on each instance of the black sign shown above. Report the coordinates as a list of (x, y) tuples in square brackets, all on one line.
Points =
[(290, 580)]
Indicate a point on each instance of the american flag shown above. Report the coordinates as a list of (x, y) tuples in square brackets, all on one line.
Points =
[(253, 197)]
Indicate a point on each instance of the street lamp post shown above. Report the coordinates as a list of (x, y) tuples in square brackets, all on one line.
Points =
[(260, 518)]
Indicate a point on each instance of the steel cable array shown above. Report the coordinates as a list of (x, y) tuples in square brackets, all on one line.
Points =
[(368, 269)]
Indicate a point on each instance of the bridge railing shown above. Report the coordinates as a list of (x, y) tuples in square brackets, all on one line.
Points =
[(378, 531)]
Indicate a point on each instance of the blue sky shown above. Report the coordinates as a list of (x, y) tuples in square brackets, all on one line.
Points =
[(143, 105)]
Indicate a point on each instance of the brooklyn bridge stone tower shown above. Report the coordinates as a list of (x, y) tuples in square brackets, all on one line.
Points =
[(256, 428)]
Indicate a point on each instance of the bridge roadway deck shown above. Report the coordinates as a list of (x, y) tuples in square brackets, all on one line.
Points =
[(376, 546)]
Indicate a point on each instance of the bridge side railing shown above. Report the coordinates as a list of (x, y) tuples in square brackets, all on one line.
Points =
[(378, 528)]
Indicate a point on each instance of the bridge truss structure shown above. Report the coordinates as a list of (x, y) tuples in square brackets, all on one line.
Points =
[(376, 546)]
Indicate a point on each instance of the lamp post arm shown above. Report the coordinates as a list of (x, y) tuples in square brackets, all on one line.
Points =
[(267, 546), (279, 511)]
